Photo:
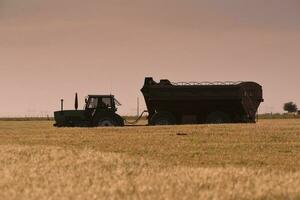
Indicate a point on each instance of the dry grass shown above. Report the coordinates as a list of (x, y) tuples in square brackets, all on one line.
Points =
[(250, 161)]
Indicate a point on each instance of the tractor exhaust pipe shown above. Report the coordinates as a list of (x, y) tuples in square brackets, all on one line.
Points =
[(76, 101), (62, 105)]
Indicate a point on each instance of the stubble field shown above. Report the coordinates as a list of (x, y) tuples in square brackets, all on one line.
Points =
[(237, 161)]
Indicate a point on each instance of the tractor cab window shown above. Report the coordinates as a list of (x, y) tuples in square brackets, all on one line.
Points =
[(92, 103), (106, 102)]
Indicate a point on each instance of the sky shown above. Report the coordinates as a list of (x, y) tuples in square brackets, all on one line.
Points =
[(50, 49)]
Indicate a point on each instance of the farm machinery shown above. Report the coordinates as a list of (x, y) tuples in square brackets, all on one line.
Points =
[(174, 103), (99, 110)]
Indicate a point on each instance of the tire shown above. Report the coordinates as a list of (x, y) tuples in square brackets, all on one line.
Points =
[(119, 121), (162, 118), (106, 122), (218, 117)]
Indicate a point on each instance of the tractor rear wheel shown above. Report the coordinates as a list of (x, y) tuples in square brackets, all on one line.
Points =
[(106, 122), (162, 118), (218, 117)]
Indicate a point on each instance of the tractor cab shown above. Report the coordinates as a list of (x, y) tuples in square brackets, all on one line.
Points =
[(102, 102)]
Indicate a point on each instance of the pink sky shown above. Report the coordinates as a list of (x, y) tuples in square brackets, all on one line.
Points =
[(53, 48)]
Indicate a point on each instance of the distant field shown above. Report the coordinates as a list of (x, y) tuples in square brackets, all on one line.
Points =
[(26, 118), (235, 161), (133, 118), (279, 116)]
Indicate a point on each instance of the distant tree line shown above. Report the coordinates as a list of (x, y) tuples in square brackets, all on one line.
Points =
[(290, 107)]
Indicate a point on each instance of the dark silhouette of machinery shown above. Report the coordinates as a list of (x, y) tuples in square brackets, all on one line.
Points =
[(99, 110), (205, 102), (173, 103)]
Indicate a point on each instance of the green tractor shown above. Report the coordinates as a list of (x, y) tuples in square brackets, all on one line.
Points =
[(99, 110)]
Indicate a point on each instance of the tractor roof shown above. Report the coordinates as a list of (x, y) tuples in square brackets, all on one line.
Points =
[(97, 96)]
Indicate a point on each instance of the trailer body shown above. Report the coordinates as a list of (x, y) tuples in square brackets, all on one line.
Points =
[(205, 102)]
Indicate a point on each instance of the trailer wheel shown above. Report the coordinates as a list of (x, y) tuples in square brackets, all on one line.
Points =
[(162, 118), (106, 122), (218, 117)]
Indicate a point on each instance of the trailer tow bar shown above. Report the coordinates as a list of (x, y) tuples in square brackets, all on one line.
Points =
[(137, 120)]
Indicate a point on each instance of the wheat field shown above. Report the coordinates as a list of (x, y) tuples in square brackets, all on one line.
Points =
[(234, 161)]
